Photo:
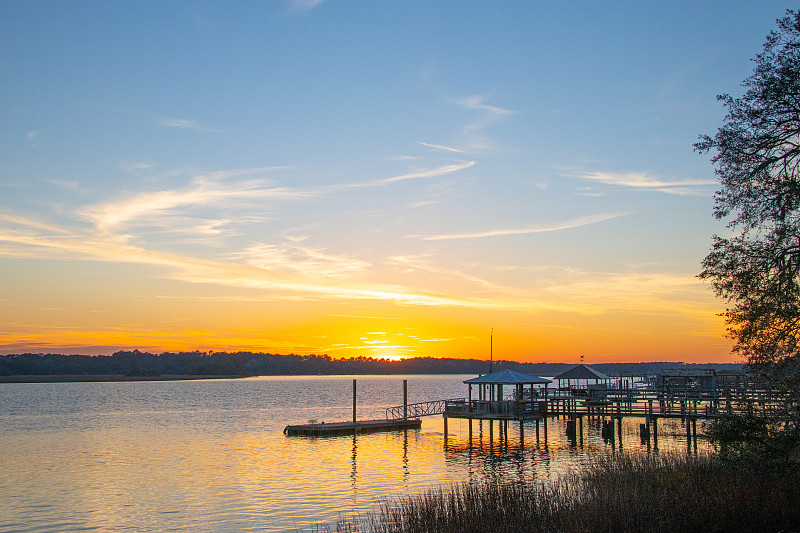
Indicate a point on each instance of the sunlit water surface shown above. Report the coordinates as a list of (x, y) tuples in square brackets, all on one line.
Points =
[(211, 455)]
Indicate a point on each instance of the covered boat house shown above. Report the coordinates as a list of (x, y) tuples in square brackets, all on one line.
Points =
[(487, 398), (583, 382)]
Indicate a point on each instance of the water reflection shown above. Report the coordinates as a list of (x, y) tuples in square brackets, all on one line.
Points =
[(405, 456), (542, 449), (211, 455)]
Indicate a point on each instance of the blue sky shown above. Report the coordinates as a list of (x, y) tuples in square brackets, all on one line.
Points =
[(365, 178)]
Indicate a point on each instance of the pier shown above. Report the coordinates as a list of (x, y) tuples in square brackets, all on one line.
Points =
[(578, 394), (686, 395)]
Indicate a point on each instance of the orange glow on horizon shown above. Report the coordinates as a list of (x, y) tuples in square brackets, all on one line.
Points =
[(598, 339)]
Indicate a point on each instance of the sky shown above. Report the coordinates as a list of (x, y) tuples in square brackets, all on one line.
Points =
[(467, 179)]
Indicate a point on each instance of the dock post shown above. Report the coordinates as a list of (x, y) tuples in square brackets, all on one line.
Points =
[(619, 431), (445, 428), (405, 399), (521, 433), (688, 433), (655, 433), (580, 429), (694, 433), (537, 431)]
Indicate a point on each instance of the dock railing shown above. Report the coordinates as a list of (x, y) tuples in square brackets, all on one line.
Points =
[(416, 410), (500, 409), (643, 402), (669, 403)]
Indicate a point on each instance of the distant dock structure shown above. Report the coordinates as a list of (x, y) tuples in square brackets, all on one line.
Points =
[(584, 392), (580, 392)]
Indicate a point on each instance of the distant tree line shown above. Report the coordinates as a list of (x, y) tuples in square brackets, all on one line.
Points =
[(137, 363)]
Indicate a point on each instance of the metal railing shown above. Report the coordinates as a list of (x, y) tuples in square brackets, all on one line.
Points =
[(416, 410)]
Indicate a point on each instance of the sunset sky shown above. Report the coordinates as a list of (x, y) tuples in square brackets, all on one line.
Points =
[(365, 178)]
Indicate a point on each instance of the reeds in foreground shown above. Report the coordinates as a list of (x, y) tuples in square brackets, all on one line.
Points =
[(623, 494)]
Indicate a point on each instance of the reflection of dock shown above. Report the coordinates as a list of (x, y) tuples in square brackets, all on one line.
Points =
[(349, 428)]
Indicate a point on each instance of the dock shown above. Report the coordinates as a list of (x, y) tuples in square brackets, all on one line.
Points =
[(398, 422), (333, 429), (689, 395)]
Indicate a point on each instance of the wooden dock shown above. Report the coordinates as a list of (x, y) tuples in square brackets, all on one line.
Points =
[(334, 429)]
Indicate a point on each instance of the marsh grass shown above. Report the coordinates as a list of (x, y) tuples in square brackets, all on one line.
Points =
[(620, 495)]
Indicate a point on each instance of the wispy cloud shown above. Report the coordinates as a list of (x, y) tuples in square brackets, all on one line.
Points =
[(31, 223), (183, 124), (478, 102), (318, 276), (474, 138), (570, 224), (306, 261), (203, 191), (440, 171), (641, 180), (441, 147), (417, 174)]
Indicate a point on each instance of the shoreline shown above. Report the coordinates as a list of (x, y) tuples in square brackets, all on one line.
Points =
[(78, 378)]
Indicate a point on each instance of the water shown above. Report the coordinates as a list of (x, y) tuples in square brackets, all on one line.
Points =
[(211, 456)]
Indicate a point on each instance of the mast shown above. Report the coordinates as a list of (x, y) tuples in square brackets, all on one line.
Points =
[(491, 334)]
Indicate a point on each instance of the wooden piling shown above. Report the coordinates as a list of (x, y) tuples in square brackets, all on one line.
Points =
[(688, 432), (655, 432)]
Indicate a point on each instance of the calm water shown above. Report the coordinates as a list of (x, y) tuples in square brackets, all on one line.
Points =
[(211, 455)]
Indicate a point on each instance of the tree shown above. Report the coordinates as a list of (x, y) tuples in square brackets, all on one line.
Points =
[(757, 156)]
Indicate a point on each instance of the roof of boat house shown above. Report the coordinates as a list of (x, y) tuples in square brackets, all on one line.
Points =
[(582, 372), (508, 377)]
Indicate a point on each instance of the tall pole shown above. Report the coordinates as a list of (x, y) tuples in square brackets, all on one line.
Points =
[(490, 350)]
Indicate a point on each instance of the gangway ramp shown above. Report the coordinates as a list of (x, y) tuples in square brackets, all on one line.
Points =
[(416, 410)]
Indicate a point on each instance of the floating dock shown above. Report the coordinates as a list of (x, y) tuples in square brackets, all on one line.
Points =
[(333, 429)]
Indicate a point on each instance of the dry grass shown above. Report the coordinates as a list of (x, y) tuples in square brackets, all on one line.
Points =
[(625, 494)]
